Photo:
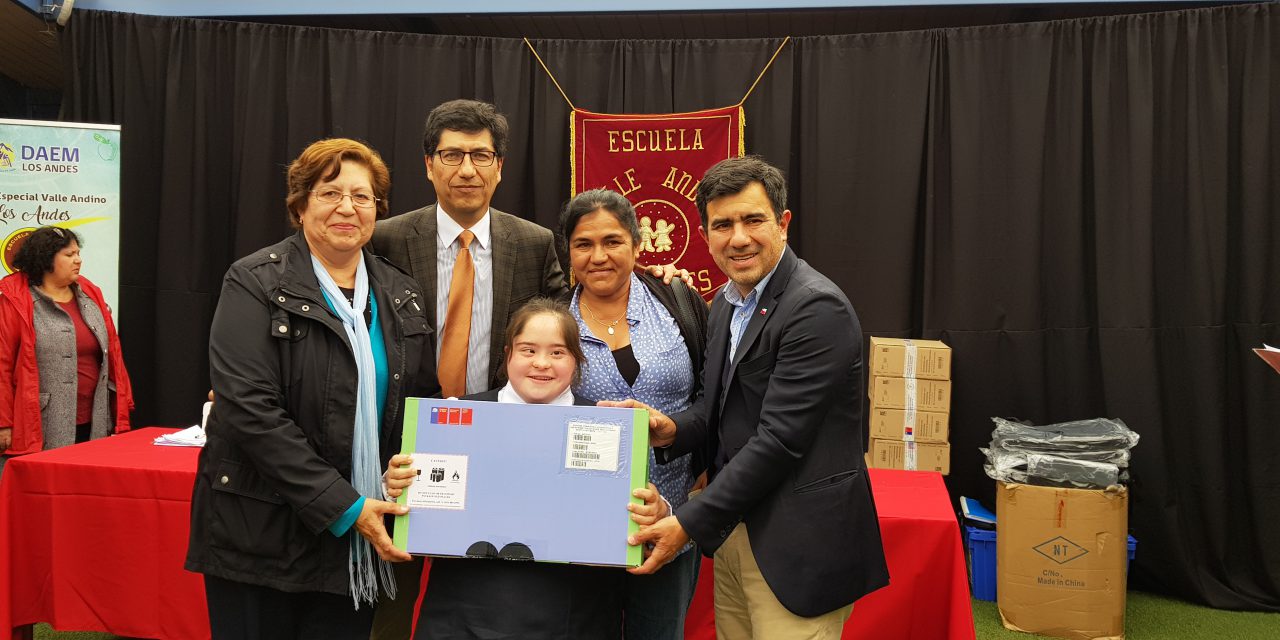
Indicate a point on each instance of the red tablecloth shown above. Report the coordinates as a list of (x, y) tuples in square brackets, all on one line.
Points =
[(93, 537), (928, 593)]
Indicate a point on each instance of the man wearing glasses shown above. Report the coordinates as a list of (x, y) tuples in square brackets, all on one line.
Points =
[(464, 143), (506, 260)]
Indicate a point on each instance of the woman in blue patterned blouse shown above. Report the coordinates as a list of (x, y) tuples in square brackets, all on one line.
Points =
[(642, 340)]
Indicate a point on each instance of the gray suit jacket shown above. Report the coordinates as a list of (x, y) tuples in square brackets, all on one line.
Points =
[(524, 265)]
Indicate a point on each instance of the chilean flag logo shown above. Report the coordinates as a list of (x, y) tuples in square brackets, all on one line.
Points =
[(461, 416)]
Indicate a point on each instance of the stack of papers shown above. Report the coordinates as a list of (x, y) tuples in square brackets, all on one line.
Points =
[(190, 437)]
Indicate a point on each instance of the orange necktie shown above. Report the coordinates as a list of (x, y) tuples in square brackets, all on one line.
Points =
[(452, 369)]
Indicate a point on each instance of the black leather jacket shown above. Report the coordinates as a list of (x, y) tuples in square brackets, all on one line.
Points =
[(275, 471)]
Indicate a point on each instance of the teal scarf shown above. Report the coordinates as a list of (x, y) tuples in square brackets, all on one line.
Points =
[(365, 567)]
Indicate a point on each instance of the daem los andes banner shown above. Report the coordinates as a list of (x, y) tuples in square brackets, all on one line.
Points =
[(65, 174), (657, 161)]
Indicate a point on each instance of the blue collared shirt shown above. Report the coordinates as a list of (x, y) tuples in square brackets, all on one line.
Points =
[(744, 308), (665, 380)]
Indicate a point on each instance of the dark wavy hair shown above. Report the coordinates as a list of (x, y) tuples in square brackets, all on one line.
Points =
[(322, 161), (467, 116), (35, 256), (732, 176), (537, 306)]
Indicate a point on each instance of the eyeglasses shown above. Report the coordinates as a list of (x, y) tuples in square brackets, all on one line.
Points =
[(453, 157), (333, 196)]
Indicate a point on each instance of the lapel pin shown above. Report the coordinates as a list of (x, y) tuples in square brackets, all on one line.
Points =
[(764, 310)]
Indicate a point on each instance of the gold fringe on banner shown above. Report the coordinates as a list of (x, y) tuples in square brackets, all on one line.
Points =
[(742, 131), (573, 158)]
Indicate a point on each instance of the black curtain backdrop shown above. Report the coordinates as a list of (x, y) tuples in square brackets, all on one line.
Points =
[(1085, 210)]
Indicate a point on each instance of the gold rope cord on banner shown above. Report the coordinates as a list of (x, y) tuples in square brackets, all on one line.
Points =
[(549, 74), (573, 165), (764, 71)]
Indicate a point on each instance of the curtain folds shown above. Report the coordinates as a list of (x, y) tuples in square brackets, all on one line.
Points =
[(1086, 210)]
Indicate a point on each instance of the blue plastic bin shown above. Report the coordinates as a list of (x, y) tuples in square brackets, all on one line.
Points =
[(980, 545)]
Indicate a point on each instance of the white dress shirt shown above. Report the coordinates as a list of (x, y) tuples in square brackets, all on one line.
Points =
[(447, 247), (508, 395)]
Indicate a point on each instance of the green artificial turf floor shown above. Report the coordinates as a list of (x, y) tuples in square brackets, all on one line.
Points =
[(1148, 617)]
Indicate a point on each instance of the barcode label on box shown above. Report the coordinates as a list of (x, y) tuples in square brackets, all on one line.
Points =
[(593, 447)]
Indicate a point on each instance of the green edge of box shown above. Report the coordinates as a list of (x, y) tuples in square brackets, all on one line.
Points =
[(408, 443), (639, 476)]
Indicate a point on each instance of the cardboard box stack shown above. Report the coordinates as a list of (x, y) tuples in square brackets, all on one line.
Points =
[(909, 383)]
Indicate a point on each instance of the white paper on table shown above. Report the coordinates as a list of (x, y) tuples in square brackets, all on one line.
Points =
[(192, 436)]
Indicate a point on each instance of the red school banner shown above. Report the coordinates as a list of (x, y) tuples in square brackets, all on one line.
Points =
[(657, 161)]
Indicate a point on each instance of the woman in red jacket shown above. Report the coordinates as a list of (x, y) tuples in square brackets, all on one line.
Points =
[(62, 378)]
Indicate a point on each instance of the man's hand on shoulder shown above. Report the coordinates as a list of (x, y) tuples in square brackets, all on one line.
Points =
[(669, 272)]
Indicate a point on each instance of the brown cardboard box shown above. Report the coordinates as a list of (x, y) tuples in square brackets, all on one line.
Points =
[(1060, 560), (891, 424), (927, 359), (892, 393), (930, 456)]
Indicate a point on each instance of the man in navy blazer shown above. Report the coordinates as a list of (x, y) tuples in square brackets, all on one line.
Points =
[(788, 512)]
